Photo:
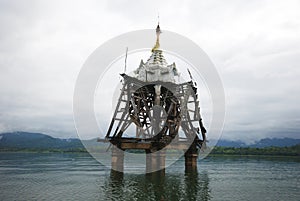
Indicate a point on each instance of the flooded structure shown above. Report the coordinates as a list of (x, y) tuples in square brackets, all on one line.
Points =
[(156, 112)]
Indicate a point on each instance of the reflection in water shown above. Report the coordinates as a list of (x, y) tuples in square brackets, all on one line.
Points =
[(157, 186), (114, 186), (197, 186)]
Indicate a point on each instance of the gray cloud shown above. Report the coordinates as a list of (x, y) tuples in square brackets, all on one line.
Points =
[(254, 44)]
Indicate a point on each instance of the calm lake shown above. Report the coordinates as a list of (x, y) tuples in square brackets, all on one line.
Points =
[(56, 176)]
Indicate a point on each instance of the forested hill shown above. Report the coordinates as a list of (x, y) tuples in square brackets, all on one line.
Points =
[(25, 140), (39, 141), (266, 142)]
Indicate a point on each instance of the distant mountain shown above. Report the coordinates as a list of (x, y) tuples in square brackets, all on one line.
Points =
[(276, 142), (228, 143), (266, 142), (25, 140)]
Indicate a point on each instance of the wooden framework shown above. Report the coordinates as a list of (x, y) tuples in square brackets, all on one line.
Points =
[(157, 116)]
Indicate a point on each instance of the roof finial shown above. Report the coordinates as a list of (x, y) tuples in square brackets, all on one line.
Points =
[(158, 32)]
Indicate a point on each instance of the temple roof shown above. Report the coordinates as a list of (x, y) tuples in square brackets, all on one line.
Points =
[(157, 58), (156, 67)]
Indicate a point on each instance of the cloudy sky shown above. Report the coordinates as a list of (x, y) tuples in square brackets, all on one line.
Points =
[(255, 46)]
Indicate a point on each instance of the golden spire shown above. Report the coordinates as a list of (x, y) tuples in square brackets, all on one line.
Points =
[(158, 32)]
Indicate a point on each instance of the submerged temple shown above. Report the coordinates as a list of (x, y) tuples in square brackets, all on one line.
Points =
[(155, 113)]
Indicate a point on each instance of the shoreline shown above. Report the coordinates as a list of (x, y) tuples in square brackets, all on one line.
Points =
[(213, 153)]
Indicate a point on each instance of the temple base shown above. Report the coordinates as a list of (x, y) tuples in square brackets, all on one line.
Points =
[(191, 157), (117, 159), (155, 161)]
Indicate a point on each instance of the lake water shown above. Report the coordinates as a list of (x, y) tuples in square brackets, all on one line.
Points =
[(33, 176)]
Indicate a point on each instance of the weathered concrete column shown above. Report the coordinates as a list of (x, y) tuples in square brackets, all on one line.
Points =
[(191, 157), (191, 162), (117, 159), (155, 161)]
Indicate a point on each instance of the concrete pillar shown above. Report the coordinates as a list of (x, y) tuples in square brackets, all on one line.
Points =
[(191, 157), (191, 162), (155, 161), (117, 159)]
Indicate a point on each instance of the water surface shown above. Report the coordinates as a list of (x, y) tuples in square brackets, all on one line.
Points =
[(56, 176)]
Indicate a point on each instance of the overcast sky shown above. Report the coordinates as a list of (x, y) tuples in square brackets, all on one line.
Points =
[(255, 46)]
